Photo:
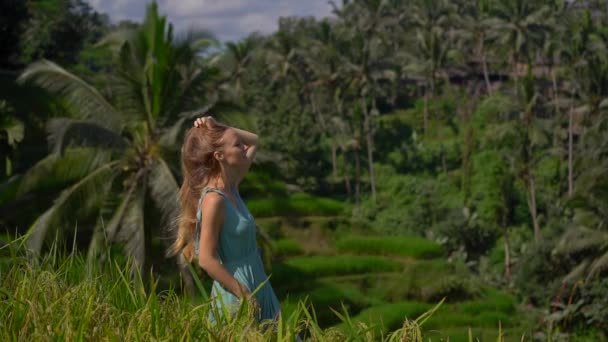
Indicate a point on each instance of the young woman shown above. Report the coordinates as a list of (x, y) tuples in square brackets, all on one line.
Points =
[(214, 225)]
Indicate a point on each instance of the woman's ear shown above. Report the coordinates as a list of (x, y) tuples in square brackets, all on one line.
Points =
[(218, 155)]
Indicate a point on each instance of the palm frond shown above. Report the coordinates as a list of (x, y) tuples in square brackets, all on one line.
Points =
[(163, 190), (86, 101), (56, 170), (113, 225), (98, 242), (577, 273), (579, 241), (170, 135), (132, 230), (64, 131), (115, 39), (199, 40), (598, 266), (240, 120), (79, 200)]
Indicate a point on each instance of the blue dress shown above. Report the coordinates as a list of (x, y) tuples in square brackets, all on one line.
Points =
[(238, 252)]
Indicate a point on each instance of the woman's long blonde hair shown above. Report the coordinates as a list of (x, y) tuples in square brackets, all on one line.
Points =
[(199, 166)]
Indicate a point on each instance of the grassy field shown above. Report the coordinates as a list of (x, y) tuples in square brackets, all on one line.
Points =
[(408, 246), (66, 299), (333, 286)]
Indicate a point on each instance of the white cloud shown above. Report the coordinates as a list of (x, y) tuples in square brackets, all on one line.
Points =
[(188, 8), (227, 19)]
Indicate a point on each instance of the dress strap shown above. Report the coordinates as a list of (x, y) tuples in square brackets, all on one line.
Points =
[(199, 215)]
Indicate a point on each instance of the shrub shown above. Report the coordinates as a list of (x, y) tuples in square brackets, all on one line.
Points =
[(409, 205), (536, 276), (452, 288), (464, 229)]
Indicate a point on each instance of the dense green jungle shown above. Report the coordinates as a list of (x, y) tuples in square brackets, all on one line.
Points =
[(429, 170)]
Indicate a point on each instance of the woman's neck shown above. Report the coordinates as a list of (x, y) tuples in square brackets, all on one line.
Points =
[(224, 182)]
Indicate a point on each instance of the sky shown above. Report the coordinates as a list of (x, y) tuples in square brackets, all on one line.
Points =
[(229, 20)]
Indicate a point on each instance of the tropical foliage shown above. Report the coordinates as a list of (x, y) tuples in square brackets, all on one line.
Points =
[(115, 151), (479, 125)]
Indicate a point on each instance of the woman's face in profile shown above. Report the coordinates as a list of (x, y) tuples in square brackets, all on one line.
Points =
[(233, 149)]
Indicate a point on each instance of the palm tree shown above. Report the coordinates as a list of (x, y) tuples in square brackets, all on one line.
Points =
[(584, 243), (532, 136), (324, 59), (237, 57), (433, 46), (519, 139), (127, 132), (522, 28), (367, 70), (476, 27), (583, 56)]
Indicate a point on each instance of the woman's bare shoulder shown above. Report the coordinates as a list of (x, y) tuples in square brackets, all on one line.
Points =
[(213, 202)]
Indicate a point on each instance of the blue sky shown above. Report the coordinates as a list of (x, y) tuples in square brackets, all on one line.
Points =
[(227, 19)]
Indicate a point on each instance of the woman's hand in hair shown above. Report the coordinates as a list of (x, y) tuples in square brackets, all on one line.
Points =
[(205, 121)]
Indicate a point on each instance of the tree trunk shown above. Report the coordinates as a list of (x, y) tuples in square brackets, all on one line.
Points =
[(532, 206), (426, 112), (334, 162), (444, 164), (357, 179), (323, 129), (370, 157), (367, 126), (485, 75), (554, 85), (468, 142), (507, 246), (467, 164), (349, 191), (570, 153), (484, 65), (506, 192)]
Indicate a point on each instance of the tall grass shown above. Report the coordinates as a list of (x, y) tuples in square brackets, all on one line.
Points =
[(63, 298)]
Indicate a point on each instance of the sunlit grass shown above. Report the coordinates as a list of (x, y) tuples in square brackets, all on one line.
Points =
[(408, 246), (386, 317), (299, 268), (57, 298), (286, 247), (493, 301), (299, 204)]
